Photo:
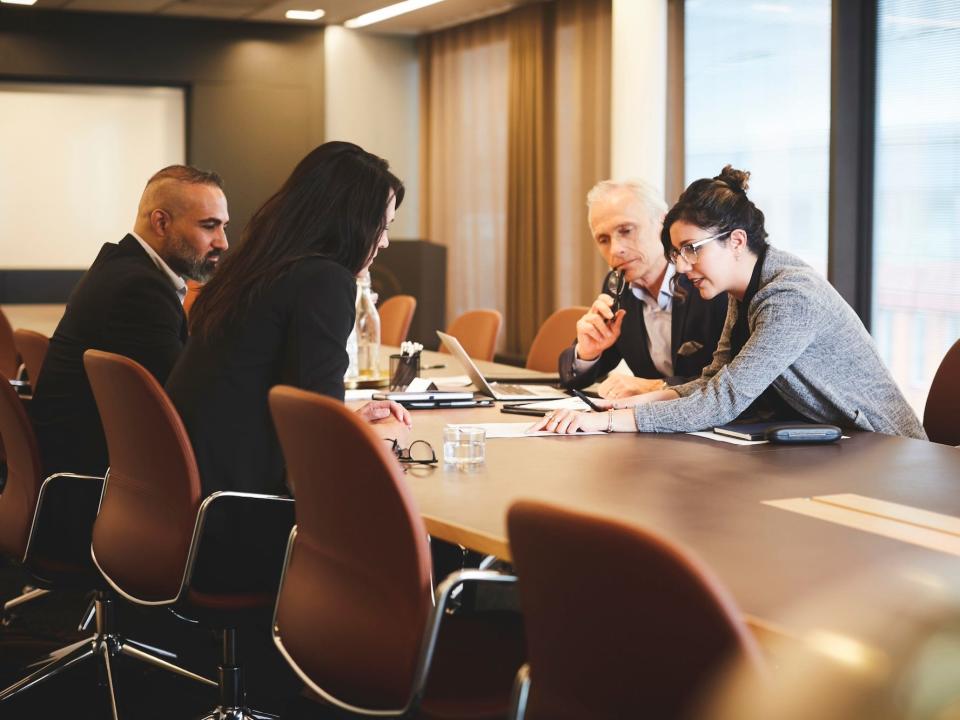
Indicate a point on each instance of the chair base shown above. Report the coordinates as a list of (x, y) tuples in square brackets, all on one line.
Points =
[(104, 645), (238, 714), (29, 594)]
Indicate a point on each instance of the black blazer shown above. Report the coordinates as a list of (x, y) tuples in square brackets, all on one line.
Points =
[(695, 325), (123, 304), (295, 333)]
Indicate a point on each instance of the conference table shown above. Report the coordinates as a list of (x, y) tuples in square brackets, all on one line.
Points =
[(710, 497)]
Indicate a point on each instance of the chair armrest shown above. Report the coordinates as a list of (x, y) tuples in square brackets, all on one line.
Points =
[(239, 543), (62, 527)]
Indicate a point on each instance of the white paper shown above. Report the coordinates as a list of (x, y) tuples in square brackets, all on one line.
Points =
[(519, 430), (710, 435), (419, 385), (354, 395)]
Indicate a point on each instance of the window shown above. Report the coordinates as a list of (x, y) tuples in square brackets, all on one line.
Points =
[(757, 96), (916, 267)]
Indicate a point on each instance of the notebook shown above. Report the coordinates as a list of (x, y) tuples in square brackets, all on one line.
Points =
[(497, 391)]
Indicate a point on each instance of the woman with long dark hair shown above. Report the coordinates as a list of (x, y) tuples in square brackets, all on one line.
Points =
[(280, 310), (791, 347)]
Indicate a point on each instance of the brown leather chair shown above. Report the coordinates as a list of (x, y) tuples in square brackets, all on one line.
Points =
[(555, 335), (32, 347), (46, 525), (355, 617), (153, 540), (396, 314), (193, 292), (941, 415), (620, 622), (9, 360), (477, 331)]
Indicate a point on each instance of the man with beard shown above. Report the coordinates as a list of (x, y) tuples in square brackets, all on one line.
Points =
[(129, 302)]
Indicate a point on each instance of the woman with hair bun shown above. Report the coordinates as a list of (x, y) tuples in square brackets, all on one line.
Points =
[(791, 347)]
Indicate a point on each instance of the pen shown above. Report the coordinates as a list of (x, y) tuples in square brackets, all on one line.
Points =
[(510, 410), (590, 403), (433, 367)]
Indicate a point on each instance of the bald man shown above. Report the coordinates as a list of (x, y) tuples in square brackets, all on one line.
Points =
[(129, 302)]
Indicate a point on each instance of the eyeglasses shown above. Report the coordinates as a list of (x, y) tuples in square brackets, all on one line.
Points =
[(614, 283), (689, 251), (419, 452)]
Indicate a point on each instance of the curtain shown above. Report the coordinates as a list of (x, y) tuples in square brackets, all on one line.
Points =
[(464, 159), (515, 128)]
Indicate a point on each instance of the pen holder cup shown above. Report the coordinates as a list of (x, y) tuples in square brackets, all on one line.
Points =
[(464, 445), (403, 370)]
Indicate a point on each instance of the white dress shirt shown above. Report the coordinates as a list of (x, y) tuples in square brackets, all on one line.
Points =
[(657, 317)]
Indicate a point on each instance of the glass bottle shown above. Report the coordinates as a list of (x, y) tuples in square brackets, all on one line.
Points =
[(353, 368), (368, 330)]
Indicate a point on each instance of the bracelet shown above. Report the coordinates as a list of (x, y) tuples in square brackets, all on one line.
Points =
[(610, 420)]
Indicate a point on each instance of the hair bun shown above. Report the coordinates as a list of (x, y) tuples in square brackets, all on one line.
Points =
[(736, 179)]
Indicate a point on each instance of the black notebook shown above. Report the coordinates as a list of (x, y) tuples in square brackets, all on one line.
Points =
[(746, 431)]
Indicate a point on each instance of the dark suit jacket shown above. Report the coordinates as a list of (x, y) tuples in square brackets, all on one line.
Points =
[(296, 334), (695, 324), (123, 304)]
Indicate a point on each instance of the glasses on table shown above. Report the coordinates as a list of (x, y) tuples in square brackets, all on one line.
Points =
[(419, 452), (614, 283), (689, 251)]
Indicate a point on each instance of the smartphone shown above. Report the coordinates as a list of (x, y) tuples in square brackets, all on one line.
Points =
[(510, 410), (590, 403)]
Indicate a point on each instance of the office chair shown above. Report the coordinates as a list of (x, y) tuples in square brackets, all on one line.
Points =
[(941, 414), (158, 543), (477, 331), (396, 314), (9, 360), (555, 335), (32, 347), (619, 622), (355, 617)]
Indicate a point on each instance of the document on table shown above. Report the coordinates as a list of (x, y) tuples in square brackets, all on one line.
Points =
[(518, 430), (450, 380), (710, 435), (572, 403)]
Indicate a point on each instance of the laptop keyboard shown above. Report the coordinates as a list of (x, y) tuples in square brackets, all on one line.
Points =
[(503, 389)]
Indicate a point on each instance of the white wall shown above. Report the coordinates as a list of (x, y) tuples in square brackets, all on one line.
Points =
[(73, 162), (639, 90), (372, 90)]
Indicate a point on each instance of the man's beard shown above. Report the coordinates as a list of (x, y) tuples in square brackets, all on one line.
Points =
[(184, 261)]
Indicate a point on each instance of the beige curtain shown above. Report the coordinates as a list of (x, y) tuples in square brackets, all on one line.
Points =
[(530, 188), (464, 158), (515, 129), (582, 142)]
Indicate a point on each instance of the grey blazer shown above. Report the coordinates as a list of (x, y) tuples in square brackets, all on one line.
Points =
[(806, 342)]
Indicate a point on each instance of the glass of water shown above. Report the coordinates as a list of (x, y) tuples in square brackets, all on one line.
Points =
[(464, 445)]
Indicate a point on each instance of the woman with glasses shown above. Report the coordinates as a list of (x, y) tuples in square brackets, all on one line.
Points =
[(279, 311), (791, 347)]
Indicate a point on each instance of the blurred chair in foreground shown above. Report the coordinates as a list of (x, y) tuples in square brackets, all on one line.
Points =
[(396, 314), (355, 615), (619, 622), (477, 331), (941, 415), (554, 336)]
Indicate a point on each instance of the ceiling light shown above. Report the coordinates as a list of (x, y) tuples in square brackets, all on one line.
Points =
[(305, 14), (390, 11), (19, 2)]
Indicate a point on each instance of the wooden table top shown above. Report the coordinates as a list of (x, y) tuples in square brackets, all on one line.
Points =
[(705, 495)]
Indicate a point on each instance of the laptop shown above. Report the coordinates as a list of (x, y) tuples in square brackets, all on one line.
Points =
[(498, 391)]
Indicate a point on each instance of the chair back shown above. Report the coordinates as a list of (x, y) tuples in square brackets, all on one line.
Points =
[(396, 314), (193, 292), (477, 331), (141, 539), (555, 335), (619, 622), (18, 496), (9, 360), (33, 349), (941, 415), (356, 594)]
